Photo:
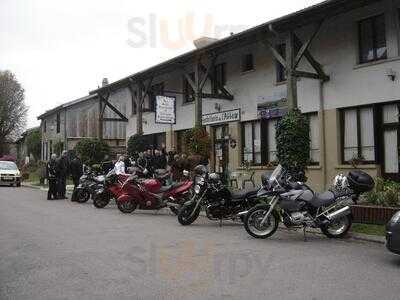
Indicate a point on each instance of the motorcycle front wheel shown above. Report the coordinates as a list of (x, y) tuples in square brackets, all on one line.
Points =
[(338, 228), (252, 222), (126, 207), (82, 196), (187, 216), (101, 200)]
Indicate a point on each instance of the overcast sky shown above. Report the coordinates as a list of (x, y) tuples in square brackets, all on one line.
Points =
[(60, 50)]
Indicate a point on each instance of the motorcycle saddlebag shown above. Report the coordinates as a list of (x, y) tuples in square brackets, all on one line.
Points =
[(360, 182)]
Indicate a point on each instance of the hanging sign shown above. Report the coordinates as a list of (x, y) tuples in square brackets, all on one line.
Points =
[(222, 117), (272, 109), (165, 110)]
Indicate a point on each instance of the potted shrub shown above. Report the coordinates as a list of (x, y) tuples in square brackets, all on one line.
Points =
[(379, 205)]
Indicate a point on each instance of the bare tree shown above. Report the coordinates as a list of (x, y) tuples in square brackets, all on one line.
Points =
[(12, 108)]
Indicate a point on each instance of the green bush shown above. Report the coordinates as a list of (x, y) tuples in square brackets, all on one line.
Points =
[(92, 151), (386, 193), (198, 142), (136, 143), (293, 143), (34, 143)]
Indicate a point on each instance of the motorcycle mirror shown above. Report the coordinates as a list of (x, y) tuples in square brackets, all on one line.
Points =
[(185, 173)]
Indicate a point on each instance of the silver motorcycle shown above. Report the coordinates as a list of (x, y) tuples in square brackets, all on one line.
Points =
[(297, 206)]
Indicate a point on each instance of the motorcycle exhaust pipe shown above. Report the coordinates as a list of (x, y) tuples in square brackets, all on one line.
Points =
[(344, 211), (170, 204), (242, 213)]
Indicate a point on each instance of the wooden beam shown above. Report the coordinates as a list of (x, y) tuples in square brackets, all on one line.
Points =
[(317, 67), (224, 91), (275, 53), (217, 96), (306, 45), (115, 110), (198, 99), (189, 80), (307, 75), (113, 120), (291, 80), (209, 68)]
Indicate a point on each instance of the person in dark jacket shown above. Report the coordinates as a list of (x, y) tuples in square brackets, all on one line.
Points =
[(142, 161), (62, 173), (51, 173), (76, 170), (159, 161)]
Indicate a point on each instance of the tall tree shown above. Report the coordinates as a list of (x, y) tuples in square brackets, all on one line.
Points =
[(12, 108)]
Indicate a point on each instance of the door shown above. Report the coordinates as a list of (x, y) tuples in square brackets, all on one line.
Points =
[(221, 150), (391, 139)]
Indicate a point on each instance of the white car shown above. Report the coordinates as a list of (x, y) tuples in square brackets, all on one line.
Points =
[(9, 173)]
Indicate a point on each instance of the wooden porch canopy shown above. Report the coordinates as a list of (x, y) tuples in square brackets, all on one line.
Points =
[(203, 59)]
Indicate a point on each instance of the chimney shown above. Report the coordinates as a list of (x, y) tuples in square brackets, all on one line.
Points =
[(104, 82), (204, 41)]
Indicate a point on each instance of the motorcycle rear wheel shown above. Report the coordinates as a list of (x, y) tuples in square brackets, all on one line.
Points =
[(186, 217), (253, 219), (338, 229), (101, 201), (126, 207)]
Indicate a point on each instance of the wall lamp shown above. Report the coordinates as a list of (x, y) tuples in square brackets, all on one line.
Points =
[(391, 74)]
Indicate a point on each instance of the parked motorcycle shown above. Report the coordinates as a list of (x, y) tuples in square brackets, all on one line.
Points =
[(131, 192), (298, 206), (219, 202), (151, 194), (88, 184)]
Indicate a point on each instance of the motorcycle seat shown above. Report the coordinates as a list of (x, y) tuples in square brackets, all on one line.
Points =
[(243, 194), (324, 199), (167, 188)]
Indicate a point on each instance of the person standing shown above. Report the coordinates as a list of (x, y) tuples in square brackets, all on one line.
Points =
[(120, 166), (62, 173), (51, 173), (142, 161), (76, 170)]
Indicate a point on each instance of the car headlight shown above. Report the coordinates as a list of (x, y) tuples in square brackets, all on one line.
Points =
[(396, 218), (197, 188)]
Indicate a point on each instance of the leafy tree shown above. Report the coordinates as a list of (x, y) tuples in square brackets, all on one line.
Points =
[(136, 143), (34, 143), (198, 142), (293, 143), (92, 151), (12, 108)]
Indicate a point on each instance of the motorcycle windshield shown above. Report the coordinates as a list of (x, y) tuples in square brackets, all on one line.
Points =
[(276, 174)]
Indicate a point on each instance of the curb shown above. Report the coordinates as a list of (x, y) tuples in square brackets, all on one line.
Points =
[(351, 235), (42, 188)]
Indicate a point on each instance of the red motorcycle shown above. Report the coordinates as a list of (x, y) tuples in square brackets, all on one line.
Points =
[(131, 192), (150, 194)]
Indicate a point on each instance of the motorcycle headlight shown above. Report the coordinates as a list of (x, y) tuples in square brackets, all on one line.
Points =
[(199, 180), (197, 188)]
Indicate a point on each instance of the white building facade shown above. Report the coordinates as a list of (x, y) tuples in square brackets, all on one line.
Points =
[(354, 117)]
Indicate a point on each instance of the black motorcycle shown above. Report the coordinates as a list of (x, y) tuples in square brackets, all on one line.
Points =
[(298, 206), (88, 184), (217, 200)]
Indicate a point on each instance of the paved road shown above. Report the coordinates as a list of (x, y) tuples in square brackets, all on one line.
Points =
[(63, 250)]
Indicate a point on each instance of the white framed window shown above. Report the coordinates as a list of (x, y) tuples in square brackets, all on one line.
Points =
[(358, 134)]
